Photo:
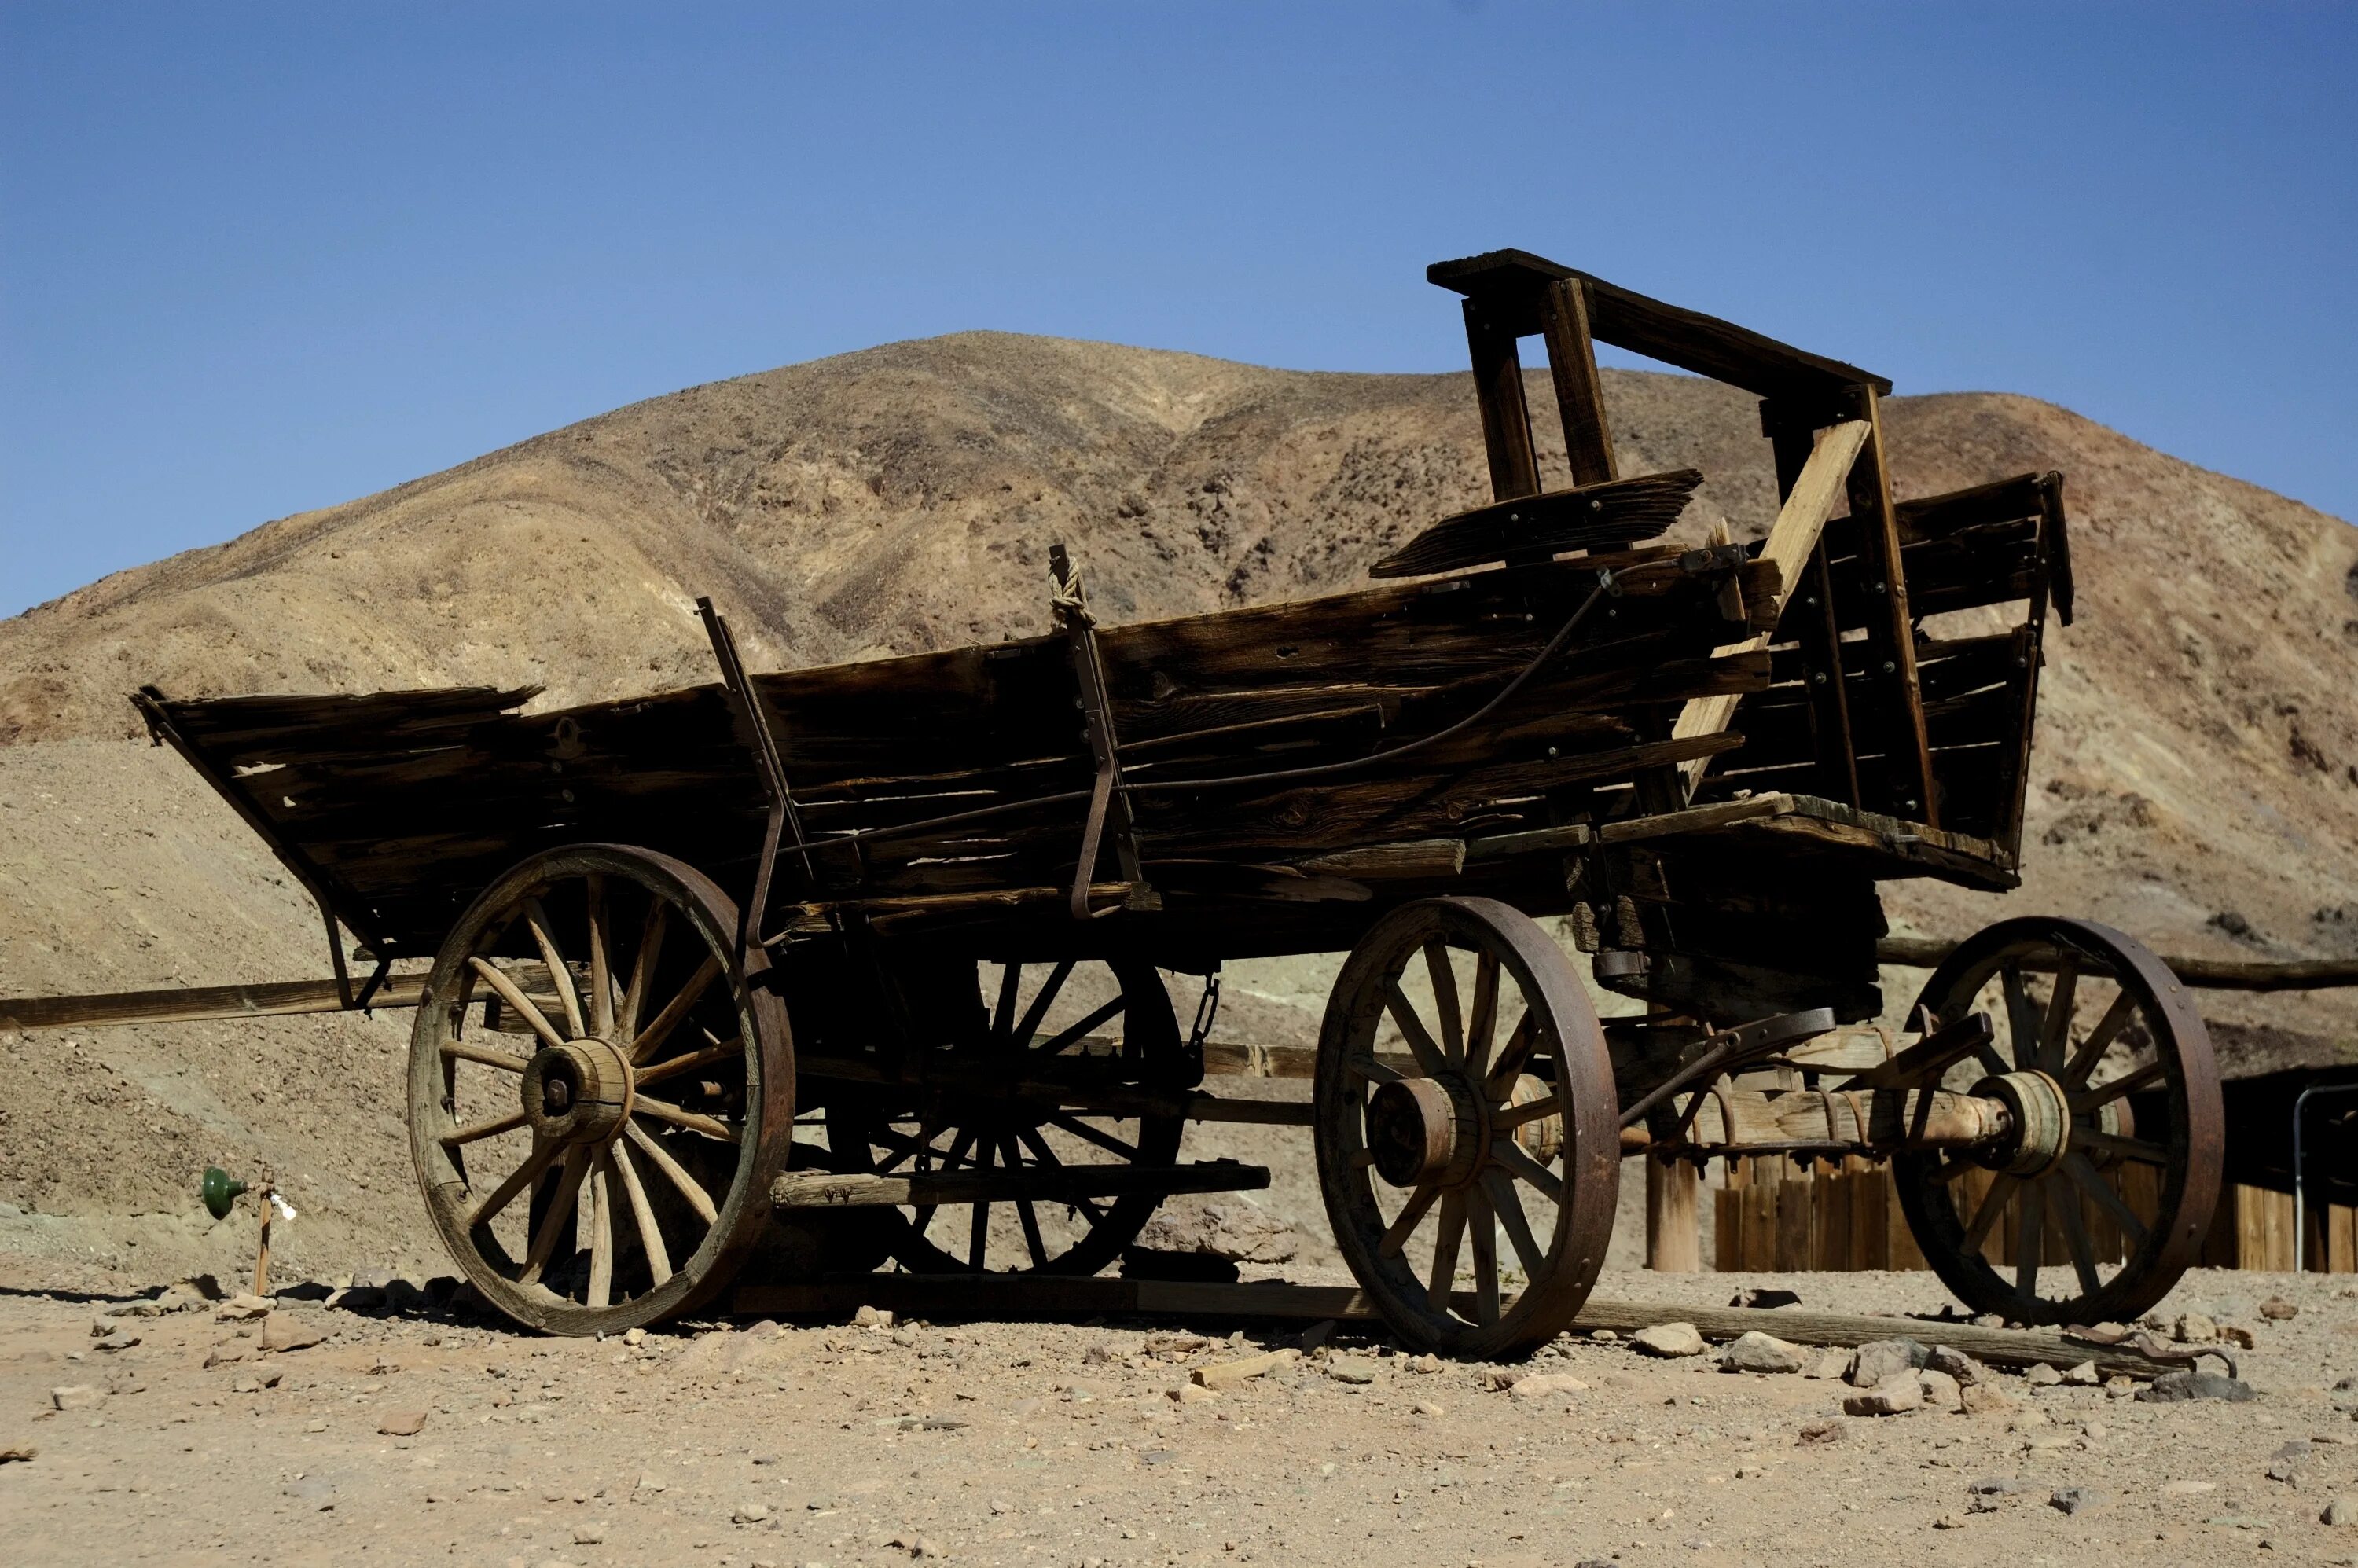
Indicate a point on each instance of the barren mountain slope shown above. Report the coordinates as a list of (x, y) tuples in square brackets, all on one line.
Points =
[(2195, 751)]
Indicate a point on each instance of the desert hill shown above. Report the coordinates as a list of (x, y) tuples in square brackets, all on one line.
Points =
[(2196, 779)]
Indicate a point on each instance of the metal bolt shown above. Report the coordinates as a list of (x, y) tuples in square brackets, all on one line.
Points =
[(1514, 516), (1818, 676), (1889, 667)]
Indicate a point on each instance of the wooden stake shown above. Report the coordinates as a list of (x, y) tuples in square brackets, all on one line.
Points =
[(1673, 1239)]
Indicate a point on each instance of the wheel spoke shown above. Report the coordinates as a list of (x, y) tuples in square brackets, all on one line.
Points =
[(517, 999), (2075, 1239), (1514, 1116), (1511, 1156), (1412, 1215), (1023, 1211), (689, 1187), (602, 1233), (643, 967), (1444, 1279), (1067, 1037), (1985, 1217), (2022, 1018), (721, 1051), (2120, 1148), (560, 975), (664, 1110), (560, 1209), (650, 1040), (2092, 1182), (1484, 1225), (1420, 1041), (1510, 1209), (1520, 1041), (505, 1061), (1010, 977), (1105, 1140), (481, 1129), (1032, 1015), (2127, 1084), (2055, 1035), (518, 1179), (1482, 1023), (2029, 1240), (644, 1213), (1369, 1069), (1443, 975), (978, 1232), (2099, 1041), (601, 972)]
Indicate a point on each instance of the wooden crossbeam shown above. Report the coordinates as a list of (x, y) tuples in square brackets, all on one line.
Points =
[(194, 1004), (1790, 543), (1045, 1183)]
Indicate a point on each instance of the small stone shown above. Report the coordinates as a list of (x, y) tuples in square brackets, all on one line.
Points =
[(1872, 1364), (1427, 1363), (2173, 1387), (2276, 1308), (242, 1309), (1192, 1394), (1814, 1432), (1316, 1335), (1988, 1320), (2189, 1488), (1956, 1364), (285, 1332), (2284, 1464), (17, 1453), (2342, 1511), (1827, 1364), (2120, 1385), (1895, 1395), (402, 1424), (2236, 1334), (1233, 1374), (1539, 1385), (648, 1483), (1753, 1351), (226, 1354), (316, 1491), (1669, 1339), (1603, 1335), (2194, 1328), (2084, 1375), (634, 1337), (872, 1317), (1994, 1487), (1983, 1399), (1941, 1392), (588, 1535), (75, 1396), (1765, 1297), (2069, 1500), (749, 1513), (315, 1425), (1948, 1521), (121, 1339), (1353, 1370), (1427, 1408), (2042, 1376)]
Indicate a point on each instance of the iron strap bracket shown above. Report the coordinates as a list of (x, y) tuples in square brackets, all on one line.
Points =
[(1108, 796), (784, 816)]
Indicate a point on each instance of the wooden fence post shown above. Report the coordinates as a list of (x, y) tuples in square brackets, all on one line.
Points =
[(1673, 1237)]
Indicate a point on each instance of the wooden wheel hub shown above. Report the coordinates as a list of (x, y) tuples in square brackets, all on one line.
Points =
[(579, 1092), (2039, 1115), (1425, 1129)]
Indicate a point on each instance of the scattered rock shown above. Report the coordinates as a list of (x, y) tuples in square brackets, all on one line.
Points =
[(1191, 1393), (75, 1396), (2173, 1388), (2194, 1328), (634, 1337), (1895, 1395), (2189, 1488), (253, 1383), (749, 1513), (2236, 1334), (1218, 1375), (1237, 1231), (1353, 1370), (1545, 1386), (1941, 1392), (1994, 1487), (17, 1453), (2073, 1499), (121, 1339), (2285, 1463), (917, 1546), (2342, 1510), (1753, 1351), (1316, 1336), (286, 1331), (227, 1353), (2276, 1308), (1948, 1521), (1827, 1363), (2084, 1375), (872, 1317), (242, 1309), (1669, 1339), (2042, 1376), (315, 1491), (1956, 1364), (588, 1535), (1421, 1406), (1871, 1365), (1983, 1399), (402, 1424), (1765, 1297), (1813, 1433), (357, 1298), (648, 1483)]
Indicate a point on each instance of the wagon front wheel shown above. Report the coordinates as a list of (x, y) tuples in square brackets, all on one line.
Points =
[(600, 1093), (1467, 1128)]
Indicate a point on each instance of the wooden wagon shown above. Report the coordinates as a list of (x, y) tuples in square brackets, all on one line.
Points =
[(794, 974)]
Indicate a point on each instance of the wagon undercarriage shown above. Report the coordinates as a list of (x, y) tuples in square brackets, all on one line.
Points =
[(796, 974)]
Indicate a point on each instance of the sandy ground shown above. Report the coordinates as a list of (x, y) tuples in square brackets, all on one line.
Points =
[(745, 1443)]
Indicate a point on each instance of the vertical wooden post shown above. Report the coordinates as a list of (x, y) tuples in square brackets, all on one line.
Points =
[(1673, 1235), (1815, 626), (1506, 412), (1890, 629), (1579, 393)]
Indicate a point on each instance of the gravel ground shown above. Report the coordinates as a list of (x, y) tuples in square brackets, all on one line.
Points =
[(1018, 1444)]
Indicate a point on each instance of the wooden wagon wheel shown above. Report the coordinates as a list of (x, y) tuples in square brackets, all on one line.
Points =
[(588, 1043), (1093, 1023), (1486, 1105), (2084, 1017)]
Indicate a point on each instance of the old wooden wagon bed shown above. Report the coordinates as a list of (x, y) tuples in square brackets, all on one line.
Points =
[(794, 974)]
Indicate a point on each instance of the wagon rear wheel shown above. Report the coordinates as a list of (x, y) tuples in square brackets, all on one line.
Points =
[(1465, 1097), (599, 1096), (2084, 1018)]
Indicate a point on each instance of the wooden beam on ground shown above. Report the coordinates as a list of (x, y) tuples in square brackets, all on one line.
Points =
[(2205, 974), (1791, 540), (968, 1296), (193, 1004)]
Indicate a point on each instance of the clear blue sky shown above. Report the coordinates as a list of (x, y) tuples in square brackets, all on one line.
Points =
[(258, 259)]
